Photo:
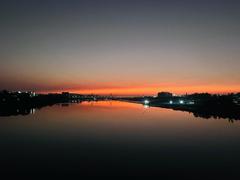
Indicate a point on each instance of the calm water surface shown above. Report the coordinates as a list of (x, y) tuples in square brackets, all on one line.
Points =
[(99, 138)]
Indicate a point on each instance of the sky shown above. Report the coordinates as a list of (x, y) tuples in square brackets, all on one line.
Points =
[(120, 47)]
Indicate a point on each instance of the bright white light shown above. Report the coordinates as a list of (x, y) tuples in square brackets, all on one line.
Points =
[(32, 111), (170, 102), (181, 102), (146, 101)]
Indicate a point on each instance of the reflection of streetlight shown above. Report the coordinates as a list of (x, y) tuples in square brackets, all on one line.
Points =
[(146, 106), (146, 101), (32, 111)]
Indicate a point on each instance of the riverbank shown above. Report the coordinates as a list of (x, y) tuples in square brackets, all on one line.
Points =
[(227, 112)]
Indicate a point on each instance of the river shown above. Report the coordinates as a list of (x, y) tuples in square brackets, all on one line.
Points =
[(119, 138)]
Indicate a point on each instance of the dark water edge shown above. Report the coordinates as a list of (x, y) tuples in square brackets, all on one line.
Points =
[(207, 112), (26, 109), (230, 113)]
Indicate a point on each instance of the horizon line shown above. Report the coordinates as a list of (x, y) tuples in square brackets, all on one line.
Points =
[(115, 94)]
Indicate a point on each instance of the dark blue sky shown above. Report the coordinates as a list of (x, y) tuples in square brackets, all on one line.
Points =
[(120, 45)]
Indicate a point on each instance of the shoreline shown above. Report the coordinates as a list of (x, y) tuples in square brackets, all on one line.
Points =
[(216, 112)]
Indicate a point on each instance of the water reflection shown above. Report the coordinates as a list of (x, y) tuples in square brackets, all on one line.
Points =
[(14, 111), (120, 137), (17, 111), (146, 106)]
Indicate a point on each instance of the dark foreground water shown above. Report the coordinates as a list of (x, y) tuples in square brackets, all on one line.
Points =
[(118, 138)]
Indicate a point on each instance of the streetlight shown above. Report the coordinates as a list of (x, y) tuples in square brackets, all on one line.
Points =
[(146, 101)]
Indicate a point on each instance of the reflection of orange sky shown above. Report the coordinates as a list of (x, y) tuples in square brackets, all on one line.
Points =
[(153, 90), (110, 111), (111, 121)]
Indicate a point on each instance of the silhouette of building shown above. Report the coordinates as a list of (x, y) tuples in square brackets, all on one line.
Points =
[(164, 95)]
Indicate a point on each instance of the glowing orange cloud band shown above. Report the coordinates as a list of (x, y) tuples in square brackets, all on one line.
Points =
[(153, 90)]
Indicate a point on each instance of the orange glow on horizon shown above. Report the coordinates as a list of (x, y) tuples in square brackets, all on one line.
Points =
[(129, 91)]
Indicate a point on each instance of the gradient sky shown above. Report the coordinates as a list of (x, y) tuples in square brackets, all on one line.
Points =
[(121, 47)]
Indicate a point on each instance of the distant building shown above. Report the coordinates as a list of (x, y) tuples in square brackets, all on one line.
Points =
[(71, 95), (75, 96), (31, 94), (165, 95), (66, 94), (236, 99)]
